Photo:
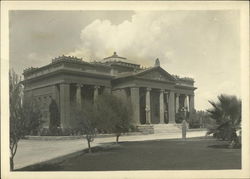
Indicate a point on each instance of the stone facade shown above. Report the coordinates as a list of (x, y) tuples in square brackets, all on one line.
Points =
[(155, 95)]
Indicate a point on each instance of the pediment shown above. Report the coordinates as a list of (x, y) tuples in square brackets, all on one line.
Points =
[(156, 74)]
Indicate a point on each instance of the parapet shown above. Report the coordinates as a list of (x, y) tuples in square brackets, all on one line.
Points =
[(66, 58)]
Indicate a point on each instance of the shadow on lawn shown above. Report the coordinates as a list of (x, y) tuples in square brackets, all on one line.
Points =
[(223, 146), (106, 147), (42, 167), (56, 164)]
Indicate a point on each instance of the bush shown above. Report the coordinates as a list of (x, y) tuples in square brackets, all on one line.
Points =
[(227, 115), (112, 115)]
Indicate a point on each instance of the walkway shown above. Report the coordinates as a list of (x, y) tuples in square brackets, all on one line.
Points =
[(34, 151)]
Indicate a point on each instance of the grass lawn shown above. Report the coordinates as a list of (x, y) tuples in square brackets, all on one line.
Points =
[(192, 154)]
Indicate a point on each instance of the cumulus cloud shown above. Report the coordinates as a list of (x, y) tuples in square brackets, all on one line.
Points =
[(203, 45), (144, 38)]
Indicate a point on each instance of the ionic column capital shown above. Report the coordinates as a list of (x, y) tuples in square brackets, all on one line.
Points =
[(149, 89), (166, 92), (177, 94), (79, 85), (96, 87)]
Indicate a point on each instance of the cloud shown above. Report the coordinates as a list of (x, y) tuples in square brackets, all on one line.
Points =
[(144, 38), (203, 45)]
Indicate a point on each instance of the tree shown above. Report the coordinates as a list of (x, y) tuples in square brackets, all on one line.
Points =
[(112, 115), (16, 132), (84, 118), (227, 115), (24, 114), (32, 116)]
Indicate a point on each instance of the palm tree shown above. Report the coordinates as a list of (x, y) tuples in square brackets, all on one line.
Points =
[(227, 115)]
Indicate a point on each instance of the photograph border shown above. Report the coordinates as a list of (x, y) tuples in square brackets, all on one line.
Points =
[(242, 6)]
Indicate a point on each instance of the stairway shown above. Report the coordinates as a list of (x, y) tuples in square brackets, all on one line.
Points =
[(145, 129), (167, 128), (159, 128)]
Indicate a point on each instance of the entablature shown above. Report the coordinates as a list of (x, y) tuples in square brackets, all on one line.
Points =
[(65, 62)]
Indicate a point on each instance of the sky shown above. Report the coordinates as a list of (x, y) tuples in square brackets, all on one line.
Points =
[(204, 45)]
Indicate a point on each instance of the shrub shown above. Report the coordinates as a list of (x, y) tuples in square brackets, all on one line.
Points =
[(227, 115)]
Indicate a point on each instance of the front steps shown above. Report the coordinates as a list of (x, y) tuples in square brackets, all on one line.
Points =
[(167, 128), (159, 128), (145, 129)]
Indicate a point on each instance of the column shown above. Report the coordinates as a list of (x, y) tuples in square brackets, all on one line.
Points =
[(135, 102), (55, 94), (186, 103), (148, 109), (79, 95), (191, 103), (177, 103), (171, 107), (96, 92), (166, 105), (65, 105), (166, 93), (162, 110)]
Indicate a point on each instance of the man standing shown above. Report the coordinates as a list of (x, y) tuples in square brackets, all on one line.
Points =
[(184, 128)]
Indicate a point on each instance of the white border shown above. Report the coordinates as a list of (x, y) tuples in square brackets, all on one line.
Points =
[(123, 5)]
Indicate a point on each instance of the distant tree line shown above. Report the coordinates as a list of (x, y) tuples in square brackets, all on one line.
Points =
[(196, 119)]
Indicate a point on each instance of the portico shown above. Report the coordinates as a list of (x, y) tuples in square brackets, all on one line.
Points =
[(155, 96), (157, 106)]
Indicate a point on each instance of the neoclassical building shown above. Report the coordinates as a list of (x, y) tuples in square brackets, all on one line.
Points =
[(155, 95)]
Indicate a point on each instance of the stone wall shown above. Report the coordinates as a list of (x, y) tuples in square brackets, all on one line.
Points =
[(43, 96)]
